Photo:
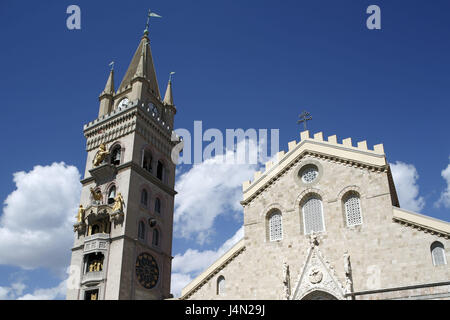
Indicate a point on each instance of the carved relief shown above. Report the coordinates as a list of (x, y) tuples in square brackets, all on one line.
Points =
[(317, 275), (286, 282)]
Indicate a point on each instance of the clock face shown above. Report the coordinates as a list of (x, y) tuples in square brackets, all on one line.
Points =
[(123, 103), (153, 109), (147, 271)]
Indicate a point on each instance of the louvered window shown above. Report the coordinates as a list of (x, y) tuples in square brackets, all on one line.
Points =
[(352, 205), (313, 215), (275, 227)]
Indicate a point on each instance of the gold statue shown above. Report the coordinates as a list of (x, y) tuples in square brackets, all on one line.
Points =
[(80, 215), (118, 203), (97, 195), (94, 296), (100, 155)]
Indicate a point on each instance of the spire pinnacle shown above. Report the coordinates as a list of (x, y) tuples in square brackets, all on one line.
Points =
[(141, 66), (168, 97), (109, 87)]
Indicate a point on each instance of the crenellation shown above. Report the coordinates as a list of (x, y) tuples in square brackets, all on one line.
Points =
[(318, 136), (269, 165), (362, 145), (379, 148), (304, 135), (332, 139), (347, 142), (292, 145)]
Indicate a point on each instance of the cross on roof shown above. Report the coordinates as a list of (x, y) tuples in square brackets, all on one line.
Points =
[(304, 116)]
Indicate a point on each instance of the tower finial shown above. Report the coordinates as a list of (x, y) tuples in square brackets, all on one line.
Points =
[(150, 14), (170, 76), (111, 64)]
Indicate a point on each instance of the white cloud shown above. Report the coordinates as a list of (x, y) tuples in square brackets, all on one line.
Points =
[(188, 265), (445, 195), (178, 282), (405, 178), (36, 225), (207, 190), (58, 292), (9, 293)]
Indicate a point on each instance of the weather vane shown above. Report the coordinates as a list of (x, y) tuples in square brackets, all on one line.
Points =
[(170, 76), (150, 14), (304, 116), (112, 65)]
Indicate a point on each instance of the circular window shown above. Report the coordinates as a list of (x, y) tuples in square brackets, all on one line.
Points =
[(309, 173)]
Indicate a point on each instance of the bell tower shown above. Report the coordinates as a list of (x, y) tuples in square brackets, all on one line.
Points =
[(123, 235)]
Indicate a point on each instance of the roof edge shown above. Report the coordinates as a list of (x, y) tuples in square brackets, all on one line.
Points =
[(213, 269)]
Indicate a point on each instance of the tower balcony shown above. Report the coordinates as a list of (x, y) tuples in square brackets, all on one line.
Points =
[(96, 242), (94, 276)]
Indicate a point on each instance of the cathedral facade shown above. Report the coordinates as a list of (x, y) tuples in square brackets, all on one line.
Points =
[(323, 222)]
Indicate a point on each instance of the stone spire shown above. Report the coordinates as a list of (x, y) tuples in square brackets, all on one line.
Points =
[(106, 97), (141, 68), (109, 87), (168, 97)]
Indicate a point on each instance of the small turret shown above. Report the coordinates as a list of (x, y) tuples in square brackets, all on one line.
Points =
[(170, 109), (168, 98), (106, 97)]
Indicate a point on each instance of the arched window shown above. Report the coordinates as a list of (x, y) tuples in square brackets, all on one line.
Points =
[(115, 155), (159, 170), (155, 238), (438, 254), (313, 215), (158, 206), (352, 207), (147, 161), (220, 286), (275, 226), (144, 197), (111, 195), (141, 230)]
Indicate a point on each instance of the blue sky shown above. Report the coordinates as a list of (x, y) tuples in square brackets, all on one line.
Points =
[(239, 64)]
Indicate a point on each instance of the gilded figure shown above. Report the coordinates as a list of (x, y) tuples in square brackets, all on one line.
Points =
[(118, 203), (96, 195), (101, 154), (80, 215)]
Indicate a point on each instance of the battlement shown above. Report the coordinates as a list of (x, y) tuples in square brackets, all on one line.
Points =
[(345, 150)]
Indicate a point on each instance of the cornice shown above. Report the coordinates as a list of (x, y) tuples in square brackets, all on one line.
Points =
[(421, 222), (133, 166)]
